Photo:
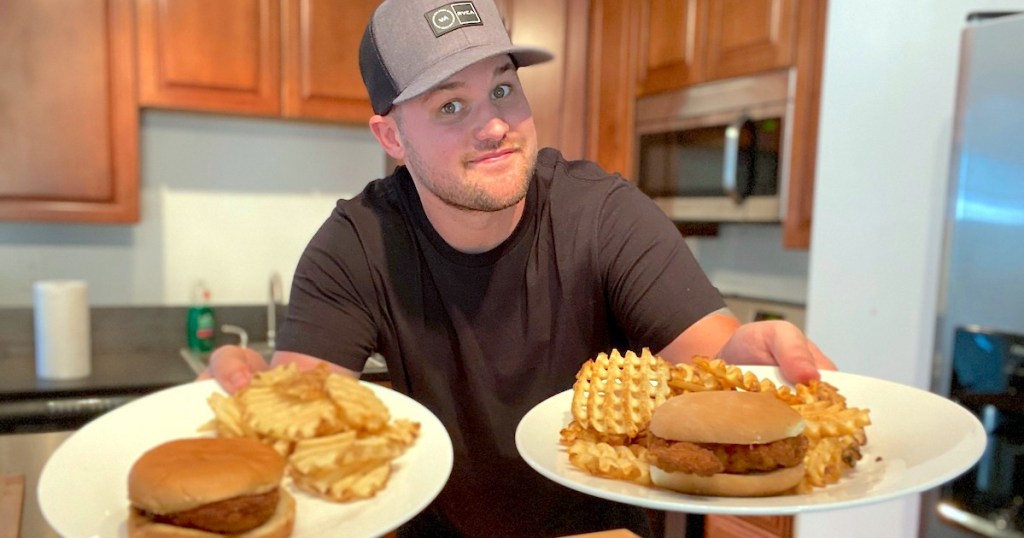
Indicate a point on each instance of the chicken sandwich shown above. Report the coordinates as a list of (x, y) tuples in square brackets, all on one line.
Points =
[(207, 488), (727, 443)]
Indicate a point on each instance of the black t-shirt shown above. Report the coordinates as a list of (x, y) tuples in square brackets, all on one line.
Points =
[(479, 339)]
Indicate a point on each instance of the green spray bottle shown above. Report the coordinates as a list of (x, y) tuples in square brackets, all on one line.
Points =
[(201, 322)]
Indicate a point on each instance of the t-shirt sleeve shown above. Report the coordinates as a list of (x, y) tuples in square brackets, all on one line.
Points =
[(328, 316), (655, 286)]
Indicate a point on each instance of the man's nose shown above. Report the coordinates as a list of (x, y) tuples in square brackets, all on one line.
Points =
[(494, 126)]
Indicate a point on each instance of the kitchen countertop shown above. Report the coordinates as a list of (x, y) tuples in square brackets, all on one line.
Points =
[(112, 373), (134, 349)]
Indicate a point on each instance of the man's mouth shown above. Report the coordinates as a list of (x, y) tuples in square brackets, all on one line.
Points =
[(492, 156)]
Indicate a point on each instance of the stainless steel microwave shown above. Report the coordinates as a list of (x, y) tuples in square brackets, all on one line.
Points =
[(718, 152)]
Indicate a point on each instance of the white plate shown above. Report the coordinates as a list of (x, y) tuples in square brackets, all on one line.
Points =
[(917, 440), (83, 489)]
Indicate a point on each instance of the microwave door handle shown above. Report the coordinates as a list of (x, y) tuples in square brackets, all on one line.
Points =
[(731, 159)]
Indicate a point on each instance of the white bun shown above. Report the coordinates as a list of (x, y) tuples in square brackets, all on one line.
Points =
[(183, 474), (729, 485), (729, 417), (279, 525)]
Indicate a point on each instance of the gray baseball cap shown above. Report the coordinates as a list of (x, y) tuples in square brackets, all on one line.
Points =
[(410, 46)]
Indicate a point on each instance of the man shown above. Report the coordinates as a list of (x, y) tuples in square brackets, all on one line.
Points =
[(485, 272)]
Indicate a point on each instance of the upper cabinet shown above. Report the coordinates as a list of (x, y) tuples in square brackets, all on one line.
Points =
[(321, 59), (748, 36), (671, 44), (287, 58), (612, 89), (219, 56), (68, 116), (684, 42)]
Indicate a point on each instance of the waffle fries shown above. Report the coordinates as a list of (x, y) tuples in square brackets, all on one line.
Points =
[(621, 462), (338, 437), (614, 396)]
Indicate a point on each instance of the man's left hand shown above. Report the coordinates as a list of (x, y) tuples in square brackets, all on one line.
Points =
[(777, 342)]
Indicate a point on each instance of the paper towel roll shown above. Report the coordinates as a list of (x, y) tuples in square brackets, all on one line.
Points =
[(63, 345)]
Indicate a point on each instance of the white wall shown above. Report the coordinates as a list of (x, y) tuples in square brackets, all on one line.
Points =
[(224, 199), (884, 152)]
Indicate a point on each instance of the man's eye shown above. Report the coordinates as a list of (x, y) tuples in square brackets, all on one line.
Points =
[(451, 107), (501, 91)]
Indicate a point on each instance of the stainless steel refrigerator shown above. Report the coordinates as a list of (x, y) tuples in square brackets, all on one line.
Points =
[(979, 347)]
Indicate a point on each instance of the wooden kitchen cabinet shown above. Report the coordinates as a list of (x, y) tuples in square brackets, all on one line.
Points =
[(321, 59), (685, 42), (68, 115), (612, 88), (221, 56), (556, 88), (748, 36), (283, 58), (671, 44), (808, 59), (748, 526)]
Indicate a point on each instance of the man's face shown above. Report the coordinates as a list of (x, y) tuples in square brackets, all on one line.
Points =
[(471, 141)]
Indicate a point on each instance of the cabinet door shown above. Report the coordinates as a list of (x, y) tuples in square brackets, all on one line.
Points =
[(68, 117), (809, 58), (555, 89), (749, 36), (221, 56), (611, 92), (748, 527), (321, 60), (672, 45)]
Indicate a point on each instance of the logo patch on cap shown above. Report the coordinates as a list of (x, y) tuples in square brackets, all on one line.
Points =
[(453, 16)]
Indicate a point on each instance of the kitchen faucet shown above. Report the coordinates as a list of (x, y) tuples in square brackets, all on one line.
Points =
[(276, 296)]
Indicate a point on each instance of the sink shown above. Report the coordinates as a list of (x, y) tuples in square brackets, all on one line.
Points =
[(199, 360), (196, 361)]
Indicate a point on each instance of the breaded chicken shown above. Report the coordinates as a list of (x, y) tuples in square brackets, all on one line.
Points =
[(230, 516), (706, 459)]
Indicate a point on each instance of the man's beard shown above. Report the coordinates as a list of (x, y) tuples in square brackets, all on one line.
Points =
[(462, 192)]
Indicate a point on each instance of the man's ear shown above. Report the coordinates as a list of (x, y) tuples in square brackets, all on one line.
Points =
[(385, 129)]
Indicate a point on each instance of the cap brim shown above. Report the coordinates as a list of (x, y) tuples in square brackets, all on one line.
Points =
[(522, 56)]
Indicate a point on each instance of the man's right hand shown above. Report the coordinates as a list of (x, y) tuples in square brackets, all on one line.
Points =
[(233, 367)]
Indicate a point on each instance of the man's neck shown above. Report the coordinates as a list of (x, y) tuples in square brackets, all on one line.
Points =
[(466, 230)]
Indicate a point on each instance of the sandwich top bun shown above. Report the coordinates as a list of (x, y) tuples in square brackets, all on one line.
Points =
[(186, 473), (729, 417), (750, 419), (209, 479)]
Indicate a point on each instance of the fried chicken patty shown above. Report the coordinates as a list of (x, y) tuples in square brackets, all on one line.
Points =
[(230, 516), (706, 459)]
